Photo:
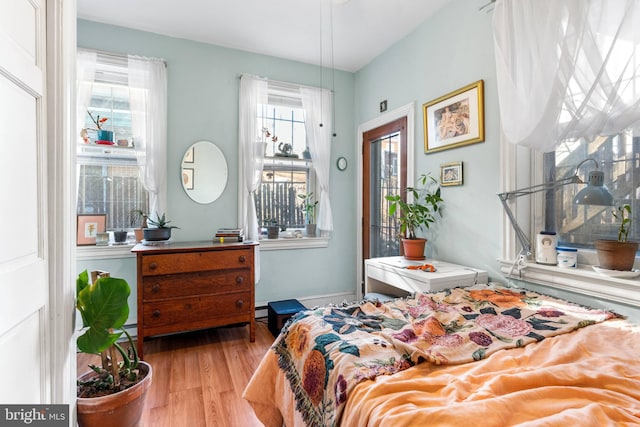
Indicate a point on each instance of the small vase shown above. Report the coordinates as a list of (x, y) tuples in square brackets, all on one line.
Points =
[(119, 236), (311, 230), (105, 135)]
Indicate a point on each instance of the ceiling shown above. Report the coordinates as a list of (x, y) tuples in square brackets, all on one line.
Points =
[(299, 30)]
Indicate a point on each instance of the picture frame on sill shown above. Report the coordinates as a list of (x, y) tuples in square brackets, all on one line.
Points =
[(455, 119), (89, 225), (451, 174)]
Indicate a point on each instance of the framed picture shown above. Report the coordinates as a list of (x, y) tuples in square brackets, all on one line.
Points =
[(187, 178), (189, 156), (88, 228), (451, 174), (455, 119)]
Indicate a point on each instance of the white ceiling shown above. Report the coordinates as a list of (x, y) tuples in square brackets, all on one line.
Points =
[(290, 29)]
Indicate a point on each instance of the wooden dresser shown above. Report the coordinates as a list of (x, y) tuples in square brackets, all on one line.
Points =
[(185, 286)]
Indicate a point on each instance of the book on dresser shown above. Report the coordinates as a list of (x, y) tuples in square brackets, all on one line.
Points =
[(230, 233)]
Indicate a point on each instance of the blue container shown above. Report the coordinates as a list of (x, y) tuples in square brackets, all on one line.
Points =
[(105, 135), (567, 257)]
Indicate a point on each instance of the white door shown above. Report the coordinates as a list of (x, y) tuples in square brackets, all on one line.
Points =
[(24, 348)]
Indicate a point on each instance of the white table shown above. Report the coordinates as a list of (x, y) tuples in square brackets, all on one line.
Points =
[(390, 276)]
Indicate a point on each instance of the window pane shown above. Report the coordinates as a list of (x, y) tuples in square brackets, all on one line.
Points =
[(618, 158), (285, 173)]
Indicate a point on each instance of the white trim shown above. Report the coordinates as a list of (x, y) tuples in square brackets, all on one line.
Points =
[(293, 243), (61, 48), (84, 253), (581, 280), (407, 110)]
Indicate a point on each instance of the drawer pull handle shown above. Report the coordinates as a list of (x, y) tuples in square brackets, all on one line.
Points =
[(155, 288), (153, 265), (242, 258), (239, 303), (156, 313), (239, 280)]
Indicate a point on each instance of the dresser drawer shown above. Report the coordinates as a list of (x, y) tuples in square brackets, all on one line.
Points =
[(196, 312), (193, 284), (196, 261)]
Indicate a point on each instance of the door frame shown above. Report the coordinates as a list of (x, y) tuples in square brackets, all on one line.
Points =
[(407, 110), (61, 139)]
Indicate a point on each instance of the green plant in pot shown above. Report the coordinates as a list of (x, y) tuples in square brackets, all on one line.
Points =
[(138, 222), (159, 228), (111, 394), (309, 205), (416, 214), (273, 229), (618, 254)]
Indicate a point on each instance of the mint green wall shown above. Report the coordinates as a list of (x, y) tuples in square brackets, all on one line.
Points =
[(448, 51), (203, 85)]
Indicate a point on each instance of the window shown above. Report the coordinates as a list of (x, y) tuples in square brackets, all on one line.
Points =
[(619, 158), (124, 171), (287, 167)]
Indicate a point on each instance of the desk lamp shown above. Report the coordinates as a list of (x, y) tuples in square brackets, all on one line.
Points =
[(595, 193)]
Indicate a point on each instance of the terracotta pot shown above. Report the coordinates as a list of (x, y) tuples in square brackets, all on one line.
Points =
[(414, 248), (614, 255), (122, 409), (139, 232)]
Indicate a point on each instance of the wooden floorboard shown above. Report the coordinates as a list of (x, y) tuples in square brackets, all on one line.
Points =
[(199, 377)]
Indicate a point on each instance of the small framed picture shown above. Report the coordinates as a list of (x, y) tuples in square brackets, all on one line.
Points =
[(455, 119), (189, 156), (88, 228), (187, 178), (451, 174)]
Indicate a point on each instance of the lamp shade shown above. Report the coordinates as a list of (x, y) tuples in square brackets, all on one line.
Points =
[(595, 193)]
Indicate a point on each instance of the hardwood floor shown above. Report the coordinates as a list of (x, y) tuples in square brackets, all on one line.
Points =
[(199, 377)]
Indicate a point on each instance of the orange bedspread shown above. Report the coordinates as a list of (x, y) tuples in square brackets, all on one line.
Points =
[(587, 377)]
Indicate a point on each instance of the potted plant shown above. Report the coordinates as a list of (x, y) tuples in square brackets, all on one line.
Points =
[(310, 213), (618, 254), (159, 230), (416, 214), (104, 136), (113, 393), (273, 229), (138, 221)]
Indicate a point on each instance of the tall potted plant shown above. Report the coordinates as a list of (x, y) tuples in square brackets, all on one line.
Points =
[(309, 206), (618, 254), (113, 393), (416, 214)]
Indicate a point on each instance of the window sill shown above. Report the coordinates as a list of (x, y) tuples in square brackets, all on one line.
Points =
[(293, 243), (582, 280), (104, 252)]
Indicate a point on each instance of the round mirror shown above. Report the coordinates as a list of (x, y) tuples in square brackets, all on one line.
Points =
[(204, 172)]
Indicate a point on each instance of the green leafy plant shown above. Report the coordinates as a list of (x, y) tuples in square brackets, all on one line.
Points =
[(104, 309), (309, 207), (624, 216), (420, 211), (160, 221)]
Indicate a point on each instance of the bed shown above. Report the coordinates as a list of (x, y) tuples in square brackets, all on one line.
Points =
[(485, 354)]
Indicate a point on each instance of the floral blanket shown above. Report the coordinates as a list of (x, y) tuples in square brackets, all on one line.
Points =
[(325, 352)]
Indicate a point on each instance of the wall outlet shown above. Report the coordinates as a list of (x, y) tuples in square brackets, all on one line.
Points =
[(383, 106)]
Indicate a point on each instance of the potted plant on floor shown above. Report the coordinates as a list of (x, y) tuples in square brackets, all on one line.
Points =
[(309, 206), (618, 254), (416, 214), (113, 393), (159, 229)]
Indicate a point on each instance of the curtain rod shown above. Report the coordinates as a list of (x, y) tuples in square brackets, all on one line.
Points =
[(122, 55), (285, 84)]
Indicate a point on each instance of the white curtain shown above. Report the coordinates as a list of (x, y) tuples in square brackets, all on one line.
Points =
[(253, 92), (317, 104), (85, 76), (566, 69), (148, 98)]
